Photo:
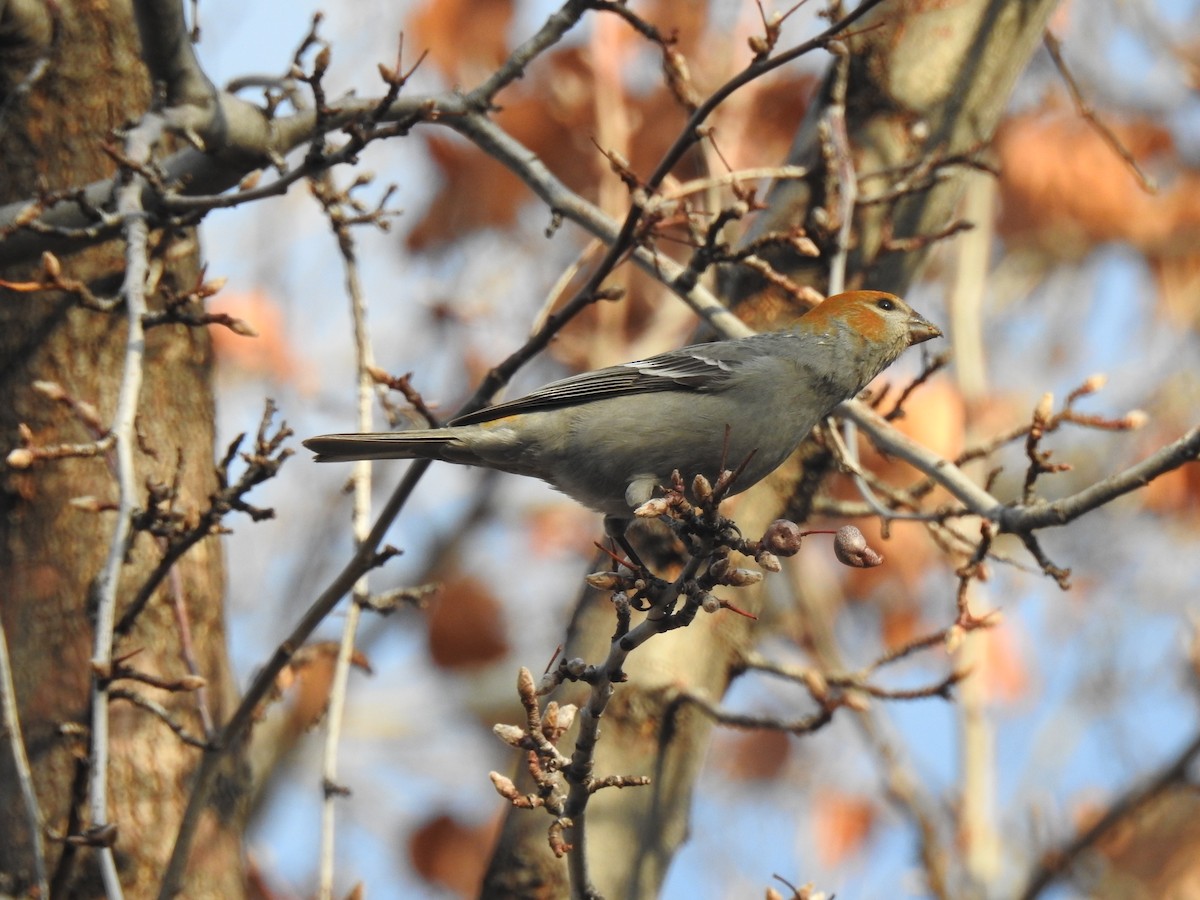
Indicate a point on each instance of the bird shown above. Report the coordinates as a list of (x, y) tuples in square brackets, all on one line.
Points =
[(611, 437)]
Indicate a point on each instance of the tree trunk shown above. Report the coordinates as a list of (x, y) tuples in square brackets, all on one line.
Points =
[(51, 550)]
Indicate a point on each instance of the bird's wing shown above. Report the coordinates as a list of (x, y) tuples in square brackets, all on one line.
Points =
[(703, 367)]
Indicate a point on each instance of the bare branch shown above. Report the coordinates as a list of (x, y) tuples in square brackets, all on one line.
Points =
[(1084, 108), (139, 146), (1058, 863), (10, 725)]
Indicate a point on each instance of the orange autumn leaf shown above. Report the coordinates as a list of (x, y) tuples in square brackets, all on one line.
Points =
[(1064, 190), (306, 681), (1002, 670), (755, 755), (269, 353), (1176, 492), (465, 39), (561, 528), (900, 624), (466, 625), (451, 854), (841, 825)]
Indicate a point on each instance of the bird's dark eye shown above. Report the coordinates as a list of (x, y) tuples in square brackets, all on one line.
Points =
[(886, 304)]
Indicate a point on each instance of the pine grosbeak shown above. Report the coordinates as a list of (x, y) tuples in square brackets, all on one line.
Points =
[(609, 438)]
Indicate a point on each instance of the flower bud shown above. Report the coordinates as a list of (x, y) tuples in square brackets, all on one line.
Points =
[(1135, 419), (51, 390), (504, 786), (1044, 410), (955, 635), (817, 686), (51, 266), (782, 538), (652, 508), (742, 577), (604, 581), (510, 734), (857, 701), (768, 561), (851, 549), (21, 458), (566, 717)]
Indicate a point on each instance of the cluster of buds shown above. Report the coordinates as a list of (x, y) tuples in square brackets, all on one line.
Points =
[(539, 737), (783, 538), (711, 538)]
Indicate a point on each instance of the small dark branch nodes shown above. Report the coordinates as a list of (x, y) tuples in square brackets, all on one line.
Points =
[(181, 529), (333, 789), (712, 252), (180, 308), (97, 836), (1045, 421), (1060, 575), (361, 129), (320, 65), (262, 464), (130, 166), (562, 783), (710, 248)]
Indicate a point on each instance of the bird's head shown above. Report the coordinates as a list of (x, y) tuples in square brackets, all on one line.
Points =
[(877, 318)]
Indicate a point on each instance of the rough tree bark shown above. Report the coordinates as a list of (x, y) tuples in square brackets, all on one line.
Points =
[(52, 137), (925, 80)]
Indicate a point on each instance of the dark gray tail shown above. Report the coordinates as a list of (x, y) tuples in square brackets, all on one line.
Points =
[(430, 444)]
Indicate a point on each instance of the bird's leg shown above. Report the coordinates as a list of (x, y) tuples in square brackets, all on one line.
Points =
[(615, 527)]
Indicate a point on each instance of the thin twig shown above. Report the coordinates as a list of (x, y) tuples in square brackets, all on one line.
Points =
[(332, 201), (10, 724), (139, 146), (1084, 108), (1058, 863), (841, 166)]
